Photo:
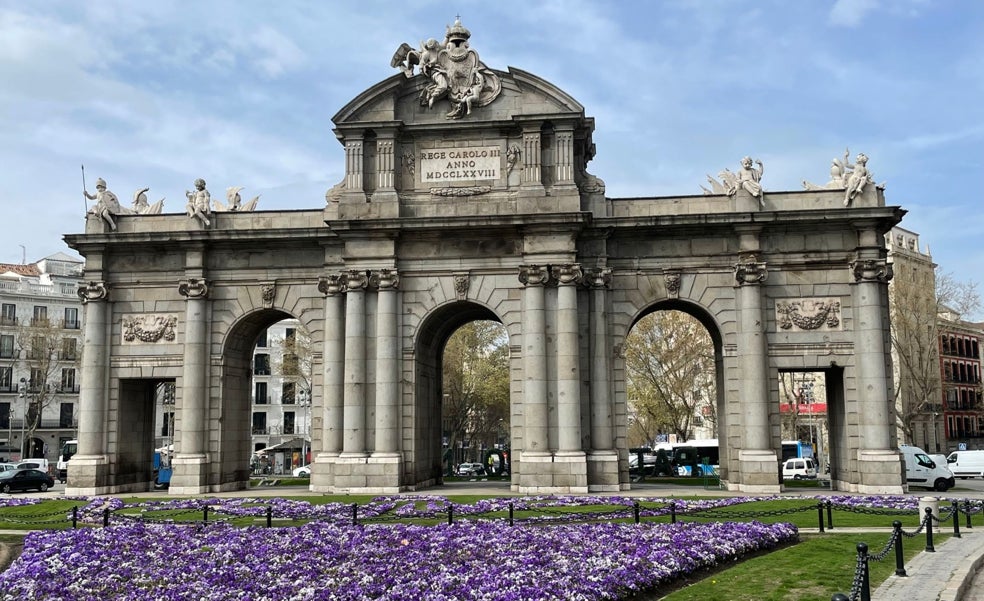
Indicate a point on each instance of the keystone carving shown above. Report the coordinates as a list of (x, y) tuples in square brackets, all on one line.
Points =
[(672, 281), (268, 292), (461, 283)]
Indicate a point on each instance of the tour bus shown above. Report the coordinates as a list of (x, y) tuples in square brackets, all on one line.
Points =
[(68, 449), (697, 457)]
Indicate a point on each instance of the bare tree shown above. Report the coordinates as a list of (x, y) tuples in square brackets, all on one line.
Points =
[(920, 298), (669, 358), (295, 361), (50, 355)]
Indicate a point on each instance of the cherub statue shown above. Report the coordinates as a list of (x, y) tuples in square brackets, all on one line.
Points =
[(106, 205), (749, 179), (858, 178), (199, 203)]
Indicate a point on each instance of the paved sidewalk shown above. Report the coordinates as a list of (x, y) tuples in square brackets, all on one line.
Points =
[(946, 575)]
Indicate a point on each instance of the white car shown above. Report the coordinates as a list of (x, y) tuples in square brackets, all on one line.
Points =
[(302, 472), (799, 468)]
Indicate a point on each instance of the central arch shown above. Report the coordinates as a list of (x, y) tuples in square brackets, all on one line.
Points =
[(432, 337)]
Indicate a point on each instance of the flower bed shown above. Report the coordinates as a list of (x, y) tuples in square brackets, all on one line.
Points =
[(467, 560)]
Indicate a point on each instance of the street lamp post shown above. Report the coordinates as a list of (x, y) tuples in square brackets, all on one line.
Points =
[(22, 393), (304, 398)]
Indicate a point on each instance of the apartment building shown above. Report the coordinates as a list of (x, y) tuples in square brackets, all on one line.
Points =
[(40, 348), (960, 367)]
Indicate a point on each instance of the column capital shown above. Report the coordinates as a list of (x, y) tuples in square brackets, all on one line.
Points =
[(355, 279), (331, 284), (534, 275), (872, 270), (568, 274), (749, 270), (193, 288), (598, 277), (93, 291), (385, 279)]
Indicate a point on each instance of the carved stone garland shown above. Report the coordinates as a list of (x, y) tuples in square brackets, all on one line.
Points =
[(149, 328)]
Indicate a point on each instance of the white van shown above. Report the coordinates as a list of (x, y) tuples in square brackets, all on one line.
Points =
[(922, 471), (799, 468), (966, 464)]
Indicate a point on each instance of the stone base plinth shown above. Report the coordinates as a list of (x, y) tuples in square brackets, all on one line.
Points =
[(880, 472), (189, 474), (554, 473), (322, 476), (603, 471), (360, 474), (759, 471), (88, 475)]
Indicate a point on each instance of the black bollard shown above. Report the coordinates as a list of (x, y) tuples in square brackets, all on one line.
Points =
[(865, 580), (105, 517), (967, 511), (205, 514), (929, 530), (672, 513), (840, 597), (75, 516), (355, 514), (635, 511), (899, 555), (269, 515), (820, 515), (956, 519), (510, 514), (830, 516), (450, 514)]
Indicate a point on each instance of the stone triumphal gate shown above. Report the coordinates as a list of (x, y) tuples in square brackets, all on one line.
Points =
[(466, 196)]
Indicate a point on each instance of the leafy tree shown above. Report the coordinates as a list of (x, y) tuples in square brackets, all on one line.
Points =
[(475, 380), (50, 355), (669, 359)]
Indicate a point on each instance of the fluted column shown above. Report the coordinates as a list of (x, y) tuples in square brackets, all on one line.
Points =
[(354, 419), (93, 393), (874, 407), (353, 165), (194, 388), (387, 366), (333, 287), (601, 407), (752, 351), (532, 162), (564, 156), (385, 164), (536, 441), (568, 360)]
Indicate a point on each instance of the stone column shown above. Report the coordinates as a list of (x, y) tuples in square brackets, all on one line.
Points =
[(535, 428), (878, 460), (387, 366), (354, 420), (88, 469), (568, 361), (602, 438), (190, 460), (353, 164), (564, 156), (332, 390), (759, 465)]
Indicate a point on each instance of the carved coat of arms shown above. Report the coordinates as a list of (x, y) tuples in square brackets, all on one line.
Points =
[(454, 71)]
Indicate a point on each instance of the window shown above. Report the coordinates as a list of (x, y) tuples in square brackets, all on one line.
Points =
[(261, 365), (37, 380), (167, 427), (287, 393), (68, 380), (288, 422), (40, 316), (69, 350), (261, 398), (38, 347), (5, 415), (261, 341), (259, 423), (291, 365), (6, 346), (71, 318), (6, 379), (8, 316), (65, 414)]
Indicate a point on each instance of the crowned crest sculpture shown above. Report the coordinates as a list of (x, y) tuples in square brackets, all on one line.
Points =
[(454, 71)]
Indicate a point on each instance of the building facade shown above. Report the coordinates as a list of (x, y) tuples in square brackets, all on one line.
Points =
[(962, 418), (40, 348)]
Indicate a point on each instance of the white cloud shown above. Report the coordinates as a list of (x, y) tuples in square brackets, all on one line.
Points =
[(850, 13)]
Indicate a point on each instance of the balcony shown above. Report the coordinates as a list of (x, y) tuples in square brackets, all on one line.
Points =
[(72, 325)]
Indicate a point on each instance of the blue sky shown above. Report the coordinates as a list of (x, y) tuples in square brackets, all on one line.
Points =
[(242, 93)]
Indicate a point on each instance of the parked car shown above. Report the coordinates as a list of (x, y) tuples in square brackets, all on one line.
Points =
[(302, 472), (25, 480), (471, 469), (966, 464), (6, 467)]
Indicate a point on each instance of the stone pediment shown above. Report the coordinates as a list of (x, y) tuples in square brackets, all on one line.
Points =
[(396, 100)]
